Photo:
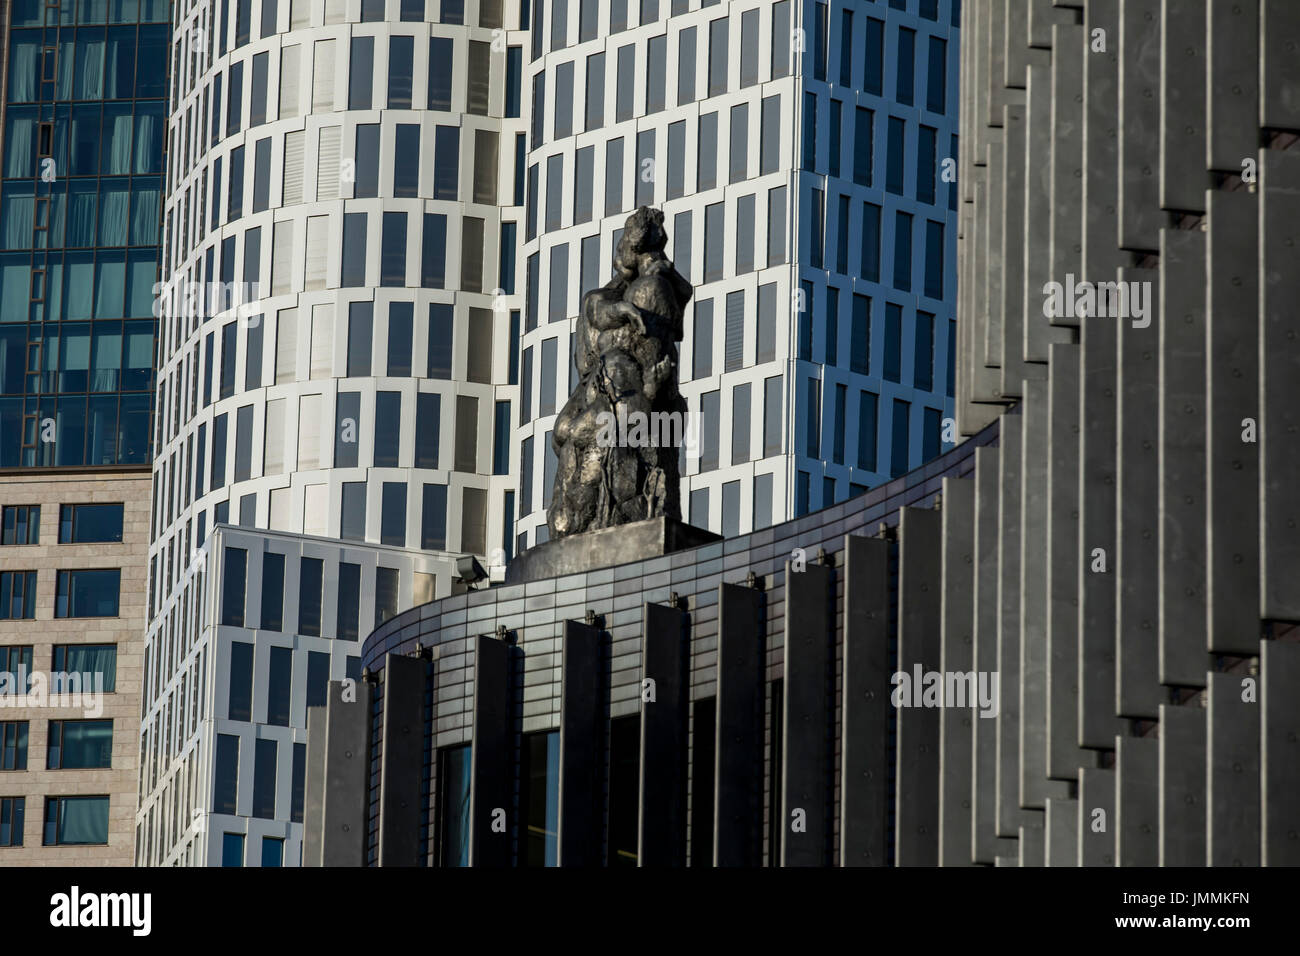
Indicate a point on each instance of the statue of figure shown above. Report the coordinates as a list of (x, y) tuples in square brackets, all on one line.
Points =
[(610, 472)]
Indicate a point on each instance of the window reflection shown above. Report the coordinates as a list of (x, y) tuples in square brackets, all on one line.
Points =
[(539, 799)]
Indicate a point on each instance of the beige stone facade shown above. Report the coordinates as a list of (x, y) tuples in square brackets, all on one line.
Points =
[(46, 631)]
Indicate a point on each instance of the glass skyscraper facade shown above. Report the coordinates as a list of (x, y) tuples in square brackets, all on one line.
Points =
[(84, 113)]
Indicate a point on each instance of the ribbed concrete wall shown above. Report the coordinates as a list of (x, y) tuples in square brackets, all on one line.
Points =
[(1134, 538)]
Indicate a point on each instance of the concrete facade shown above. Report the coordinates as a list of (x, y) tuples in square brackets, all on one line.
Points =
[(40, 635)]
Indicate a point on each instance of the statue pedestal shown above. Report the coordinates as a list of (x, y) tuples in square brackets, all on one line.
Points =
[(606, 548)]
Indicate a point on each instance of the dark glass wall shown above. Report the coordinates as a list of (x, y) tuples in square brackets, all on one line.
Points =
[(80, 193)]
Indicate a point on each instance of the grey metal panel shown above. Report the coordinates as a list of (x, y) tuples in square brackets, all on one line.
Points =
[(665, 653), (1139, 125), (1097, 820), (1015, 55), (1183, 176), (1066, 169), (583, 694), (401, 764), (1008, 630), (808, 700), (492, 762), (1039, 331), (1232, 395), (991, 222), (1232, 805), (739, 761), (864, 744), (1011, 308), (347, 739), (1033, 840), (985, 845), (1182, 785), (1279, 380), (1232, 95), (1137, 619), (1032, 588), (1279, 676), (1101, 255), (917, 734), (1279, 67), (1062, 825), (956, 655), (1181, 497), (313, 816), (1064, 756), (1098, 531), (1137, 810)]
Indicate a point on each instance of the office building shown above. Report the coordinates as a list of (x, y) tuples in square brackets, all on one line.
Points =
[(82, 117), (335, 377)]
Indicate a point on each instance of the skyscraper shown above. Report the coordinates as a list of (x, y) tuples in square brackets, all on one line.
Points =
[(335, 379), (81, 159)]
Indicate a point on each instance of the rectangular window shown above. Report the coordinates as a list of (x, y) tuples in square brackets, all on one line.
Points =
[(863, 145), (354, 511), (433, 253), (707, 151), (899, 447), (936, 86), (406, 160), (624, 790), (88, 593), (595, 92), (76, 821), (686, 66), (734, 350), (453, 805), (311, 572), (84, 524), (501, 440), (272, 850), (232, 849), (392, 256), (257, 107), (13, 745), (772, 415), (239, 705), (903, 251), (279, 686), (22, 524), (739, 164), (353, 263), (94, 665), (703, 760), (894, 163), (539, 799), (348, 625), (244, 443), (466, 451), (923, 354), (817, 237), (930, 433), (264, 754), (770, 135), (837, 446), (810, 131), (514, 79), (718, 56), (925, 164), (702, 340), (870, 265), (446, 162), (361, 73), (392, 516), (934, 264), (893, 342), (776, 229), (347, 415), (17, 595), (656, 73), (401, 50), (272, 591), (441, 59), (873, 76), (740, 422), (433, 518), (842, 236), (386, 581), (906, 66), (867, 412), (814, 417), (15, 670), (360, 333), (440, 340), (11, 820), (559, 283), (745, 234), (428, 415), (563, 118), (644, 189), (714, 236), (710, 414), (625, 84)]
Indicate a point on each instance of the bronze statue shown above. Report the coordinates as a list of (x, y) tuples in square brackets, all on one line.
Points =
[(616, 440)]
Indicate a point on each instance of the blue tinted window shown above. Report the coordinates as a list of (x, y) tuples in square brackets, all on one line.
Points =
[(232, 595), (76, 821), (79, 744), (453, 800), (272, 851), (88, 593), (240, 703), (17, 595), (540, 799), (225, 774), (232, 849)]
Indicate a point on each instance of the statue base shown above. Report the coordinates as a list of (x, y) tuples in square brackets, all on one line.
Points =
[(606, 548)]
